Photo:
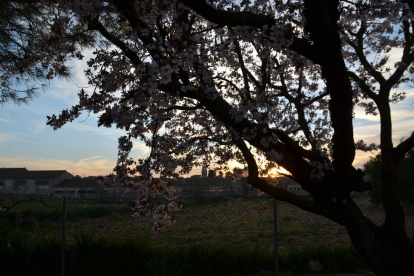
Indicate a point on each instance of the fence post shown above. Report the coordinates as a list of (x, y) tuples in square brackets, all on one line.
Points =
[(275, 234), (37, 187), (62, 272)]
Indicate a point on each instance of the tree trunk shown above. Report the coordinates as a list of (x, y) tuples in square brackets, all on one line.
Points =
[(386, 248), (378, 245)]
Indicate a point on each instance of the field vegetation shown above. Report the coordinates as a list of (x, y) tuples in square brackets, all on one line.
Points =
[(221, 236)]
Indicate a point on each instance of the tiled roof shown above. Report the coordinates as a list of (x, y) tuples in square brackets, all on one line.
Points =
[(24, 174)]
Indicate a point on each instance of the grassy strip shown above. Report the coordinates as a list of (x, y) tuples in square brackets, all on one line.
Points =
[(92, 254)]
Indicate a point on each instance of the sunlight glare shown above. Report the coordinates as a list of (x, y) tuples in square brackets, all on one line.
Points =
[(276, 172)]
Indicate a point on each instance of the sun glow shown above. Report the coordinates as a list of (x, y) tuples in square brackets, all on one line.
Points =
[(276, 172)]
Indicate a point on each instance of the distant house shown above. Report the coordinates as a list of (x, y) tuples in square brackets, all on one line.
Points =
[(78, 187), (290, 185), (198, 187), (20, 181), (89, 188)]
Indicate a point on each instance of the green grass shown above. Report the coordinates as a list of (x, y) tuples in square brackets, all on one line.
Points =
[(96, 255), (92, 254), (339, 258), (219, 236), (200, 202), (52, 211)]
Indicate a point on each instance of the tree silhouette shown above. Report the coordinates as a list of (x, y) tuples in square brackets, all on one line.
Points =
[(256, 82)]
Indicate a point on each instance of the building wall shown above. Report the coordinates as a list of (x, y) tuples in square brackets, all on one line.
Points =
[(61, 177), (296, 189), (28, 186), (77, 192)]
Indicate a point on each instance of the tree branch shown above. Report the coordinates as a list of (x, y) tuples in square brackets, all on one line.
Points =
[(244, 71), (362, 84), (227, 18), (405, 146), (317, 98), (359, 51), (275, 192), (245, 18), (188, 108), (97, 25)]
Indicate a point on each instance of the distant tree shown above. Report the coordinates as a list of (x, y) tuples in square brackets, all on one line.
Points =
[(203, 82), (211, 173), (405, 180)]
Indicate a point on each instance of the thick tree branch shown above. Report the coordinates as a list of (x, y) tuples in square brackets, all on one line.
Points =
[(132, 55), (245, 18), (278, 193), (246, 94), (363, 85), (405, 146), (359, 50), (232, 84), (226, 18), (317, 98), (187, 108)]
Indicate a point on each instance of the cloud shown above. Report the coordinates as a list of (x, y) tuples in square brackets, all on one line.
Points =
[(64, 91), (19, 133), (370, 133), (5, 138), (67, 90), (111, 133), (95, 165), (38, 126), (90, 158), (363, 122), (362, 157), (34, 110), (140, 148)]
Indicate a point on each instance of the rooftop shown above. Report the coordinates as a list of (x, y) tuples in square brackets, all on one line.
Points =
[(24, 174)]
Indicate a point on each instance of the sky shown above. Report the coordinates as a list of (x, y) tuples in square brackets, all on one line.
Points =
[(82, 148)]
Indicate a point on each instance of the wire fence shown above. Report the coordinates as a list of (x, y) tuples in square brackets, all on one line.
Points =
[(230, 220)]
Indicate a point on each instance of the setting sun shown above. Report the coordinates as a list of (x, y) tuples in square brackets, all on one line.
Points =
[(276, 172)]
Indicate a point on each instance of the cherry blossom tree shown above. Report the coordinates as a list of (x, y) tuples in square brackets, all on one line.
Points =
[(259, 82)]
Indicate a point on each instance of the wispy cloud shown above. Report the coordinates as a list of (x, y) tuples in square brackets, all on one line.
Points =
[(362, 157), (140, 149), (4, 138), (90, 158), (65, 91), (23, 134), (38, 126), (111, 133), (34, 110)]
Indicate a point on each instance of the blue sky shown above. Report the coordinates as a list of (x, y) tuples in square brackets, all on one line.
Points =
[(84, 149), (79, 147)]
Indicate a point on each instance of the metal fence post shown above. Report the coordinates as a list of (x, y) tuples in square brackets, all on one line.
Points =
[(62, 273), (275, 235), (37, 187)]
